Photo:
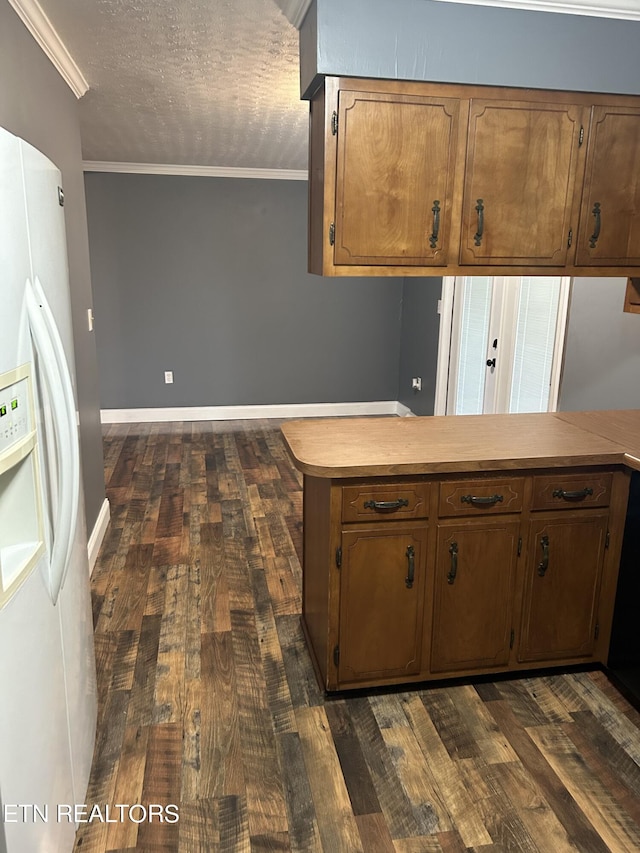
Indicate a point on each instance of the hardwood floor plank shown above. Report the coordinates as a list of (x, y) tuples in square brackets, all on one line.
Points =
[(161, 787), (129, 783), (264, 793), (446, 775), (198, 828), (170, 673), (374, 833), (393, 800), (303, 825), (214, 588), (233, 824), (336, 822), (607, 816), (216, 729)]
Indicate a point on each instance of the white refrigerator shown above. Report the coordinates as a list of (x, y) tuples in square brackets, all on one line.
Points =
[(47, 662)]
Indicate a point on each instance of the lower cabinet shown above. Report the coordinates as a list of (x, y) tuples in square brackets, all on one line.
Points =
[(382, 574), (427, 578), (475, 574), (562, 586)]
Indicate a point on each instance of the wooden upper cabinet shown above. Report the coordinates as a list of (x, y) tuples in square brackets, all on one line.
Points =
[(610, 213), (409, 178), (394, 177), (520, 175)]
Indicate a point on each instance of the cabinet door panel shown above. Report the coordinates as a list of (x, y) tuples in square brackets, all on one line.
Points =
[(474, 584), (561, 588), (521, 168), (610, 214), (396, 156), (380, 610)]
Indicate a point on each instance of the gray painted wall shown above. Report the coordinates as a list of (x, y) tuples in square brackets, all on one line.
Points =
[(36, 104), (456, 43), (602, 349), (207, 277), (419, 342)]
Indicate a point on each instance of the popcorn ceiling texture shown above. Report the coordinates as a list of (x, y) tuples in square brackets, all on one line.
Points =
[(186, 82)]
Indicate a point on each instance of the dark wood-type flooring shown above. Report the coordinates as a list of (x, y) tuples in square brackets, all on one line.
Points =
[(207, 697)]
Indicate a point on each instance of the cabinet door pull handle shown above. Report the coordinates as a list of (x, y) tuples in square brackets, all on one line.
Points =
[(476, 501), (573, 496), (386, 506), (433, 240), (477, 237), (596, 228), (453, 571), (411, 571), (543, 565)]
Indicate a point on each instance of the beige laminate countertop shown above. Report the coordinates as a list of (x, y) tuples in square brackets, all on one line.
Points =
[(386, 446)]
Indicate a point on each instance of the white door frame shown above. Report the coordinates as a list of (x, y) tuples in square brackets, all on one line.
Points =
[(446, 344)]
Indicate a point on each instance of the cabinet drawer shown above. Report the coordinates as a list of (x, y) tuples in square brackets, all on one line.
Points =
[(473, 497), (380, 502), (571, 491)]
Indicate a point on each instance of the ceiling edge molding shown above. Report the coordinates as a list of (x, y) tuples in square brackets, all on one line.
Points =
[(33, 17), (194, 171), (626, 10), (295, 10)]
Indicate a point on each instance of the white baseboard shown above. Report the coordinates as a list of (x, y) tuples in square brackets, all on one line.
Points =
[(232, 413), (97, 534)]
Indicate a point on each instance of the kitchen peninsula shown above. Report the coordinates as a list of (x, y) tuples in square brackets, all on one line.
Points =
[(439, 547)]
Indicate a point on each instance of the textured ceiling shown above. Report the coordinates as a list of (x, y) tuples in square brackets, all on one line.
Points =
[(192, 83)]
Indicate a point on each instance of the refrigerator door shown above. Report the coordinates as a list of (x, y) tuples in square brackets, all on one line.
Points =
[(47, 668), (47, 239)]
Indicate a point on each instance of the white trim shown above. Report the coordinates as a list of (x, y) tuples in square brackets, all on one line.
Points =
[(445, 307), (562, 324), (628, 10), (295, 10), (194, 171), (232, 413), (404, 411), (33, 17), (97, 534)]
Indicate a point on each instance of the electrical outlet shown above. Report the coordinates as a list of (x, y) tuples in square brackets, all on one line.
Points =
[(416, 383), (168, 377)]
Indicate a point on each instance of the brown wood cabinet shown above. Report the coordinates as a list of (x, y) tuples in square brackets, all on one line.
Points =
[(408, 177), (415, 578)]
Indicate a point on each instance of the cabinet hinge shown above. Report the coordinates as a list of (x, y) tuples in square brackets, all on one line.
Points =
[(339, 558), (60, 196), (581, 136), (519, 545), (570, 238), (512, 638), (607, 539), (334, 123), (596, 633), (336, 655), (332, 233)]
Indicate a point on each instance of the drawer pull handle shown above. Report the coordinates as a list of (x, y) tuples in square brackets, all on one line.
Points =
[(411, 572), (453, 571), (573, 496), (472, 499), (543, 565), (386, 506)]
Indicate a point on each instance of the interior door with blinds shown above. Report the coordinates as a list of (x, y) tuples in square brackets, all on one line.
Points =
[(507, 338)]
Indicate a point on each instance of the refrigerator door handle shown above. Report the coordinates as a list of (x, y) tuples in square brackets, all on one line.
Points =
[(55, 376)]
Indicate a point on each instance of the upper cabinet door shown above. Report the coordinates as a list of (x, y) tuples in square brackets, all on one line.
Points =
[(522, 159), (395, 163), (610, 214)]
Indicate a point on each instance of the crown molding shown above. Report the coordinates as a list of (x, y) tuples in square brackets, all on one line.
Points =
[(33, 17), (295, 10), (625, 10), (194, 171)]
